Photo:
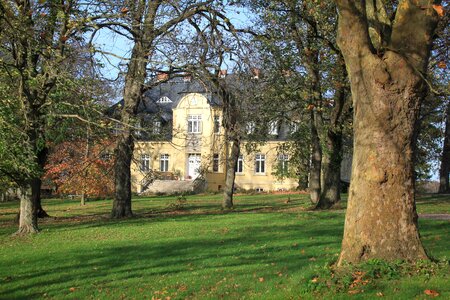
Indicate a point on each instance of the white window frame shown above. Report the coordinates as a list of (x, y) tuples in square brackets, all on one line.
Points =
[(283, 163), (260, 164), (194, 124), (138, 128), (216, 124), (156, 127), (164, 162), (164, 99), (240, 165), (145, 162), (294, 127), (273, 128), (250, 127)]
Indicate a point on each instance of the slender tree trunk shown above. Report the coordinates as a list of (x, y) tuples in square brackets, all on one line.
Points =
[(444, 170), (37, 183), (316, 163), (134, 82), (387, 89), (230, 174), (332, 159), (331, 168)]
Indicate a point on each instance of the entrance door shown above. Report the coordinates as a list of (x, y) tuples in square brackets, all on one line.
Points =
[(193, 166)]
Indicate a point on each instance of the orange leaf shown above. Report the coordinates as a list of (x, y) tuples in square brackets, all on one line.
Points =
[(431, 293), (124, 10), (72, 289), (439, 9), (261, 279)]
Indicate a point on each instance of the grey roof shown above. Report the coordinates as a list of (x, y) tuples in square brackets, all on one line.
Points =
[(175, 89)]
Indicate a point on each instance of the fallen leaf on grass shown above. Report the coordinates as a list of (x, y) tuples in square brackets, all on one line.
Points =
[(380, 294), (353, 292), (431, 293), (72, 289), (261, 279), (315, 279)]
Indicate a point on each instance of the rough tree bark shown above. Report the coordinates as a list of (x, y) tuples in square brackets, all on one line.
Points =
[(316, 162), (387, 88), (143, 29), (134, 82), (232, 159), (232, 136), (444, 170)]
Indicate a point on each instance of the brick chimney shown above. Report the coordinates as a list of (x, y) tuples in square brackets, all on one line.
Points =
[(162, 76), (223, 73), (255, 73)]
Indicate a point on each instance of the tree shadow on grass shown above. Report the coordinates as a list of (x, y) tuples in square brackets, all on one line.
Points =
[(254, 248)]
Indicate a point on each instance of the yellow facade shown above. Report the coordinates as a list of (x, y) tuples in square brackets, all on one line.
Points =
[(196, 147)]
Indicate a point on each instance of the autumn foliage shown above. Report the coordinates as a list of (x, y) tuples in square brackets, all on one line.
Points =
[(76, 167)]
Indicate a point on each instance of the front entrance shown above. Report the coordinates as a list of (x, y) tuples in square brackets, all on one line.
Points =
[(194, 161)]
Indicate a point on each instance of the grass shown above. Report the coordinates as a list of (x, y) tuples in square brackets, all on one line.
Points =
[(264, 249)]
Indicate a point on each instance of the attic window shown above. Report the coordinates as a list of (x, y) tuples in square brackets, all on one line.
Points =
[(164, 99)]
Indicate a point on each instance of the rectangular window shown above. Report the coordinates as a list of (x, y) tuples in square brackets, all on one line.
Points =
[(294, 127), (260, 164), (156, 127), (145, 162), (273, 128), (164, 163), (250, 127), (137, 129), (216, 124), (216, 162), (283, 163), (194, 124), (240, 164)]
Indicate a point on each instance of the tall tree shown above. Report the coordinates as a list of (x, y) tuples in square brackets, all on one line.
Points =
[(309, 48), (219, 45), (35, 37), (145, 24), (386, 63)]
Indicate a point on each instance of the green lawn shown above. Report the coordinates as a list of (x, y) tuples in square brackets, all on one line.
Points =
[(264, 249)]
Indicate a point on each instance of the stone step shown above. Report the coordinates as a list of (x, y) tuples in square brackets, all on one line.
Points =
[(170, 187)]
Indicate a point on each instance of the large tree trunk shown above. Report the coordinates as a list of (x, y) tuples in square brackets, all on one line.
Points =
[(331, 171), (444, 170), (122, 196), (230, 174), (27, 217), (316, 163), (387, 89), (37, 184)]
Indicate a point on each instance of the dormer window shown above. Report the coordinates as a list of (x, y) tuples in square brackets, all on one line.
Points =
[(164, 99)]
